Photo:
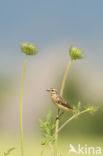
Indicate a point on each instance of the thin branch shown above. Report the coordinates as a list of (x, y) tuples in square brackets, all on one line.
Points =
[(73, 117), (62, 126), (64, 78), (21, 105)]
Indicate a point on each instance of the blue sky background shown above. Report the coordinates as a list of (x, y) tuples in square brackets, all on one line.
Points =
[(48, 23)]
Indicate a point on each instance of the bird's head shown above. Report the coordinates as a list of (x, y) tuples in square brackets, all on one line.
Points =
[(52, 91)]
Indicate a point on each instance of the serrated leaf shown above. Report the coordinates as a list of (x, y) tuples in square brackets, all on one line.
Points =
[(79, 106), (47, 126), (43, 142)]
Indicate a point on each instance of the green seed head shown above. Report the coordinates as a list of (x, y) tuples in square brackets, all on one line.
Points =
[(29, 48), (75, 53), (92, 108)]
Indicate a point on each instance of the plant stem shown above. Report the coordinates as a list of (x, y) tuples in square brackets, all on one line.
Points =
[(62, 126), (42, 152), (61, 93), (73, 117), (52, 150), (56, 136), (21, 104), (65, 76)]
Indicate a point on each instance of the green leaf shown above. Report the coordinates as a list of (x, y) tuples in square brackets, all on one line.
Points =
[(79, 106), (47, 127), (9, 151), (77, 109), (92, 109), (43, 142), (41, 123)]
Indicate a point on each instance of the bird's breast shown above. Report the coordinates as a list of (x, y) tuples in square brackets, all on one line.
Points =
[(54, 98)]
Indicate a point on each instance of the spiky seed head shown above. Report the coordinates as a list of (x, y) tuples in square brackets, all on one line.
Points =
[(75, 53), (92, 108), (29, 48)]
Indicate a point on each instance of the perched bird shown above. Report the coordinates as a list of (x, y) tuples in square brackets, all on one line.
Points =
[(59, 101)]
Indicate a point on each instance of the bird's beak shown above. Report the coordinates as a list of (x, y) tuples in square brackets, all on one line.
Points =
[(48, 90)]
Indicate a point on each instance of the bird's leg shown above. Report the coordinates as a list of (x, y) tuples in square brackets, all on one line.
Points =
[(58, 111), (59, 115), (57, 118)]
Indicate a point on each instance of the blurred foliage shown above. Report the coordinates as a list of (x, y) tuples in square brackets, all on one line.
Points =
[(47, 128), (33, 147), (5, 86), (77, 109), (9, 151), (73, 93)]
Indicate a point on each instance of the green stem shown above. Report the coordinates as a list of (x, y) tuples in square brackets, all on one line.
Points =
[(42, 152), (21, 104), (65, 76), (52, 150), (61, 93), (73, 117), (62, 126), (56, 136)]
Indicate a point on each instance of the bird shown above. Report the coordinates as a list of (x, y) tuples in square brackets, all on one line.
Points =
[(59, 101)]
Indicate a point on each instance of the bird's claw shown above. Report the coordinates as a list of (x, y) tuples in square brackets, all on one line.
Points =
[(57, 118)]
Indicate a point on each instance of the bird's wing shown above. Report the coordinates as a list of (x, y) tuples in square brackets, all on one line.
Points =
[(62, 102)]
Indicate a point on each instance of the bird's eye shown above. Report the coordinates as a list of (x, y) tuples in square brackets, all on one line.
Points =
[(52, 90)]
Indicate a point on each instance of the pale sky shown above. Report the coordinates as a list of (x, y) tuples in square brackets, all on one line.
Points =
[(50, 23)]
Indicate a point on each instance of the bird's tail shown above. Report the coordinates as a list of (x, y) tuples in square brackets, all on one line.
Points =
[(70, 108)]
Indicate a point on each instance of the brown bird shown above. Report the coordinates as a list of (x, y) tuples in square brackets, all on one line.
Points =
[(59, 101)]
